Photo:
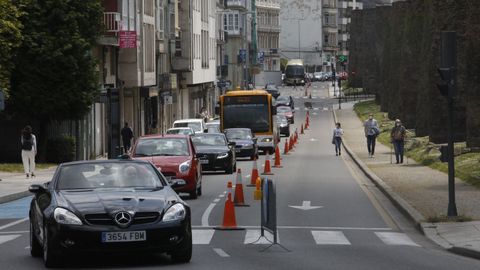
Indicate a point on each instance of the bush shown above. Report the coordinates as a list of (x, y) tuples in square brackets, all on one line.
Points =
[(61, 149)]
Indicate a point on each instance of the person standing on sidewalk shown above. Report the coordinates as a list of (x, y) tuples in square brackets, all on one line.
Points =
[(398, 140), (127, 136), (337, 139), (371, 132), (29, 151)]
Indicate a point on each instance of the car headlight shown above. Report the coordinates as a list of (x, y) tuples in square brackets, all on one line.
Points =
[(302, 81), (175, 212), (267, 140), (283, 124), (224, 155), (184, 167), (63, 216)]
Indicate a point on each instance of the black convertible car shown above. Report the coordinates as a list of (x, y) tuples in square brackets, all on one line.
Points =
[(215, 152), (108, 206)]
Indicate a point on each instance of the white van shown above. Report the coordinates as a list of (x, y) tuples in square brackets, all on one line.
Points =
[(197, 124)]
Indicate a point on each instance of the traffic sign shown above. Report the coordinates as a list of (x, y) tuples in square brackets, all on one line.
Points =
[(261, 57), (243, 55), (342, 58)]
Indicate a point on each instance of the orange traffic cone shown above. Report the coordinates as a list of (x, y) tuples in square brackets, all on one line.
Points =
[(229, 220), (238, 199), (301, 130), (286, 147), (254, 174), (277, 158), (266, 169), (290, 143)]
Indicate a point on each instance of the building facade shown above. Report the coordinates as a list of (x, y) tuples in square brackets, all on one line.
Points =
[(268, 34)]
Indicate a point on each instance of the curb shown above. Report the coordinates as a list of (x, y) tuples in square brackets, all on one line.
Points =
[(14, 196), (405, 208)]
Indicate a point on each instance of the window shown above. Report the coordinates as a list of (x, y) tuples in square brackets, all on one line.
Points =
[(231, 22), (148, 8), (160, 20)]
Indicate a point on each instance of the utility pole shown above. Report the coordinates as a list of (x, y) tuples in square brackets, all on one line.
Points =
[(447, 70)]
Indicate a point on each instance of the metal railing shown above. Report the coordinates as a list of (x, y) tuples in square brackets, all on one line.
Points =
[(111, 21)]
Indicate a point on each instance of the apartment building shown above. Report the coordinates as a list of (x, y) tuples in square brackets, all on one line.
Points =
[(195, 55), (268, 34), (237, 24), (221, 34)]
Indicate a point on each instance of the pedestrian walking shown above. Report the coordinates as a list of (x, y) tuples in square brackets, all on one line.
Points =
[(337, 139), (398, 140), (372, 130), (28, 143), (127, 136)]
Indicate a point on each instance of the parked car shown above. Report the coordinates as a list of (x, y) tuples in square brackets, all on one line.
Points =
[(318, 76), (106, 206), (175, 157), (213, 126), (287, 112), (215, 152), (181, 131), (245, 142), (285, 101), (197, 124), (272, 89), (283, 125)]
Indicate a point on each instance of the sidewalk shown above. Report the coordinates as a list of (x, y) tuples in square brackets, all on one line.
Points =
[(15, 185), (418, 191)]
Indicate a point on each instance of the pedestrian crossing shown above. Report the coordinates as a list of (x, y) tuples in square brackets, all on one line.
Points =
[(315, 237)]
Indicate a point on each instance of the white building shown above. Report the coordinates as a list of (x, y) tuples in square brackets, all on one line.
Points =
[(195, 56), (301, 31), (268, 33)]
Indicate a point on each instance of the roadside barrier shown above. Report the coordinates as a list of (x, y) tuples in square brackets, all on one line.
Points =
[(254, 174), (266, 169), (239, 199), (277, 158), (229, 220)]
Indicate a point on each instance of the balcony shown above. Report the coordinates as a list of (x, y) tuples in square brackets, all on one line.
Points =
[(268, 4), (268, 28), (232, 4), (111, 22)]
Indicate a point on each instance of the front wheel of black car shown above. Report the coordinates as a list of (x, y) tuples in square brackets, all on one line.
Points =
[(35, 247), (184, 252), (50, 258)]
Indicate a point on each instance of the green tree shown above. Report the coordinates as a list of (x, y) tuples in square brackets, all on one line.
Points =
[(10, 39), (55, 75)]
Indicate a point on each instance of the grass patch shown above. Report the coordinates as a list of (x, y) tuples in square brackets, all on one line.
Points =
[(18, 167), (421, 149), (353, 91), (443, 218)]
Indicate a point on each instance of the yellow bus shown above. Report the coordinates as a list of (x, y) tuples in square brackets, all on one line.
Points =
[(253, 109)]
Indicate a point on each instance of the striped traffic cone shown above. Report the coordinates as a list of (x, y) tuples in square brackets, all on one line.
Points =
[(239, 199)]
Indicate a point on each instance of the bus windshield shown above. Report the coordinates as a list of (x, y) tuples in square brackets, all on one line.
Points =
[(247, 112), (295, 70)]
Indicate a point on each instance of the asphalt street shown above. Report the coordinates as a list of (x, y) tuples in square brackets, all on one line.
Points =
[(329, 217)]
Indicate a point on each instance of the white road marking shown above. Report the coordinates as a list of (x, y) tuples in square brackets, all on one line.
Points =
[(206, 214), (221, 253), (253, 235), (297, 108), (221, 196), (14, 232), (395, 238), (325, 109), (306, 205), (247, 176), (202, 237), (306, 227), (216, 200), (330, 238), (6, 238), (313, 140), (316, 109), (13, 223), (27, 247), (314, 113)]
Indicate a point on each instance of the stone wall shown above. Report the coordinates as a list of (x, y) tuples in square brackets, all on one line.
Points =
[(395, 52)]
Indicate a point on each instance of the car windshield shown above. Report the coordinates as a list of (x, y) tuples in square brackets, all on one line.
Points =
[(182, 131), (108, 175), (271, 87), (196, 126), (209, 140), (239, 134), (284, 109), (282, 99), (161, 147), (281, 119)]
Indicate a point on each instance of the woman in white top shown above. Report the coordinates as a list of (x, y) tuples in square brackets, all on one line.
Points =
[(29, 151), (337, 139)]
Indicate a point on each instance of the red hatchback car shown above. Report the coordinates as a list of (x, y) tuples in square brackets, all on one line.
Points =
[(175, 157)]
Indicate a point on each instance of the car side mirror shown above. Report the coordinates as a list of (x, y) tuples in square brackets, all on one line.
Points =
[(174, 183), (36, 188)]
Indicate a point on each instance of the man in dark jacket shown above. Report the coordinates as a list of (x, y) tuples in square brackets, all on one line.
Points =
[(398, 140), (127, 136)]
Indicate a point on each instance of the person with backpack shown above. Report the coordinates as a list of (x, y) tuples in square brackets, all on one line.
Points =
[(28, 143), (337, 139), (372, 130), (127, 136), (398, 140)]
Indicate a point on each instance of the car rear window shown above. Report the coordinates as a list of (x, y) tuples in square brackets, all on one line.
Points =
[(209, 140), (161, 147), (196, 126), (108, 175)]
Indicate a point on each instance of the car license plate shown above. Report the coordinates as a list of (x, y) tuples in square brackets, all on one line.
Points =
[(132, 236), (204, 161)]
